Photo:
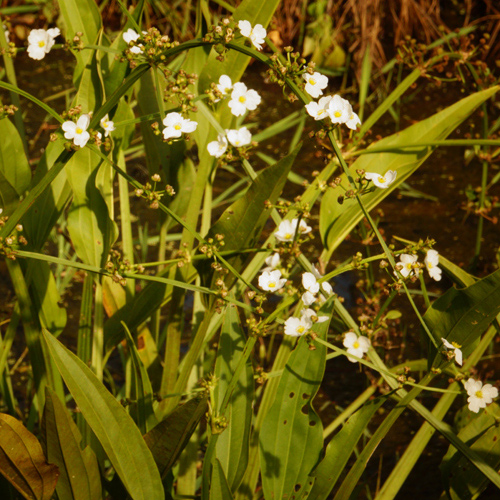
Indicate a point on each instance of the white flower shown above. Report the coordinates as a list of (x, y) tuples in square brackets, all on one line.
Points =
[(107, 125), (243, 99), (217, 148), (41, 41), (309, 313), (239, 138), (431, 262), (225, 85), (406, 263), (7, 35), (308, 298), (273, 261), (296, 327), (382, 181), (357, 346), (353, 121), (319, 110), (270, 281), (456, 350), (132, 36), (256, 34), (176, 125), (479, 395), (339, 109), (327, 288), (287, 229), (309, 283), (315, 83), (77, 131)]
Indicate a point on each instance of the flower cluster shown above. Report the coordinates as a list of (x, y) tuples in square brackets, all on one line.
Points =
[(130, 37), (242, 99), (312, 287), (78, 131), (41, 41), (336, 108), (237, 138), (408, 265), (296, 327), (382, 181)]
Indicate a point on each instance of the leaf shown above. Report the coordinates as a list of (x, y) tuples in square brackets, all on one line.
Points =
[(463, 315), (291, 436), (167, 440), (219, 489), (113, 427), (243, 221), (232, 444), (15, 172), (143, 392), (79, 472), (92, 231), (22, 461), (338, 451), (337, 221), (462, 480)]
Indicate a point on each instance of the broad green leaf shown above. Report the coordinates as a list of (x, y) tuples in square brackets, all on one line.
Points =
[(15, 173), (242, 223), (90, 227), (113, 427), (337, 221), (462, 480), (463, 315), (80, 16), (167, 440), (79, 477), (219, 488), (23, 463), (338, 451), (233, 442), (90, 93), (143, 392), (291, 437)]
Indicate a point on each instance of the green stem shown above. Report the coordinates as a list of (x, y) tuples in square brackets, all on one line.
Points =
[(384, 307), (424, 290), (98, 332)]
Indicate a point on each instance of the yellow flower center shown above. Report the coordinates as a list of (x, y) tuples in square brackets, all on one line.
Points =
[(78, 130), (41, 43), (312, 81), (337, 114), (381, 179), (479, 394), (429, 265), (177, 127), (321, 111), (356, 345), (288, 236), (409, 266), (104, 124), (237, 143), (300, 329), (272, 284), (242, 98)]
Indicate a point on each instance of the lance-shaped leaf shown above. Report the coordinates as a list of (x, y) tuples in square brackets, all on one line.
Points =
[(113, 427), (482, 434), (170, 436), (90, 227), (242, 223), (233, 443), (79, 472), (338, 451), (15, 173), (291, 437), (219, 489), (337, 221), (23, 463), (462, 315)]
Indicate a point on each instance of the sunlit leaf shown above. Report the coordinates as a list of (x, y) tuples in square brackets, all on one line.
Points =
[(219, 489)]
